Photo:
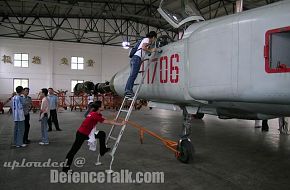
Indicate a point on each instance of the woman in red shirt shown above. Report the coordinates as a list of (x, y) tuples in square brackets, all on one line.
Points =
[(85, 129)]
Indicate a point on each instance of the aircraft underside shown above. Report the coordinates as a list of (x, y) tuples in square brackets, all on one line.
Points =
[(229, 110)]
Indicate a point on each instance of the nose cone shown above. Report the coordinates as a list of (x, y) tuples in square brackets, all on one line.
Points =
[(118, 82), (112, 86)]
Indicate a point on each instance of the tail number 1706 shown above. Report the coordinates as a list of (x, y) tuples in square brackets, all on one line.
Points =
[(168, 69)]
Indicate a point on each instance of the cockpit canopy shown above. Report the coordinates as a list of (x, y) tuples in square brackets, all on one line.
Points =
[(179, 12)]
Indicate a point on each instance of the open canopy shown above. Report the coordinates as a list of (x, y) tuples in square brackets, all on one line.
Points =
[(179, 12)]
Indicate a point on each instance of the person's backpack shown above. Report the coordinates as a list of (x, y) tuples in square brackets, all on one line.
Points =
[(135, 48)]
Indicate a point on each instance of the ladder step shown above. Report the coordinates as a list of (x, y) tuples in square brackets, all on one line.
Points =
[(136, 84), (141, 72), (113, 138), (125, 111), (129, 98)]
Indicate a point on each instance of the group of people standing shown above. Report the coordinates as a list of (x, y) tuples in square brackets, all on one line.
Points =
[(48, 111), (22, 105)]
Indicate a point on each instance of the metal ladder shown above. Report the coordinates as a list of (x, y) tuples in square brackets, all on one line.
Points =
[(128, 113)]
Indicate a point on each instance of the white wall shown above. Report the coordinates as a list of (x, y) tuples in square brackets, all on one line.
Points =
[(50, 73)]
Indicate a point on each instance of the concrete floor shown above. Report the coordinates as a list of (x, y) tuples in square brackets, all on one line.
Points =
[(230, 154)]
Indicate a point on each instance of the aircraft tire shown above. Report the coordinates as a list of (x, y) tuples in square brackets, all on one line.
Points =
[(186, 151), (265, 126), (198, 116)]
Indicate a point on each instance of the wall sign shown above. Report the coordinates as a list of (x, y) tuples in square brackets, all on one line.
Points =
[(36, 60), (7, 59), (64, 61)]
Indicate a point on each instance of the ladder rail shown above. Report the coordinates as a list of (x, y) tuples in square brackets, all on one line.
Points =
[(117, 116), (121, 132), (129, 112)]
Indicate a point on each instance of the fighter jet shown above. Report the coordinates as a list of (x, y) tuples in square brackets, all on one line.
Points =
[(237, 66)]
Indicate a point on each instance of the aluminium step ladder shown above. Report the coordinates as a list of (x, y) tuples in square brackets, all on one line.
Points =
[(128, 113)]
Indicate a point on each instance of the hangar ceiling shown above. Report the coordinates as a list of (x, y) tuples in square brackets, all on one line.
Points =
[(105, 22)]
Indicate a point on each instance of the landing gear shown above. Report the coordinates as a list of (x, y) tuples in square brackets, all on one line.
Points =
[(185, 146), (257, 124), (283, 125), (198, 116), (265, 126), (186, 151)]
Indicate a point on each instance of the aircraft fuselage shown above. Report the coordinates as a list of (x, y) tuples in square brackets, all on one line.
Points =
[(234, 64)]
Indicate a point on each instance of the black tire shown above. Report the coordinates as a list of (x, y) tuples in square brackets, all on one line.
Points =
[(186, 151), (198, 116), (265, 126)]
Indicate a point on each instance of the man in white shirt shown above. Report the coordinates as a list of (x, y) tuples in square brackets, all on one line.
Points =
[(18, 117), (137, 59), (44, 115), (90, 98), (90, 101)]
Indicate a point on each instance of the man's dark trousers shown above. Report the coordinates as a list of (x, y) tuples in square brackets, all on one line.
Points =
[(53, 118)]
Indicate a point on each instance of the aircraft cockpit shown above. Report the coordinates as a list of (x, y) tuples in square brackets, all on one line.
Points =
[(163, 41), (179, 12)]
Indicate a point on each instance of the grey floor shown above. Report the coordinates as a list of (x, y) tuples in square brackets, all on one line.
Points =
[(230, 154)]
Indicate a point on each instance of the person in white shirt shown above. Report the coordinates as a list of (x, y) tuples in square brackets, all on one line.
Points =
[(90, 101), (90, 98), (44, 115), (18, 117), (137, 59)]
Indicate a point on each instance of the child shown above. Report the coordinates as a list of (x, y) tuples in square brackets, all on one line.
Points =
[(85, 129)]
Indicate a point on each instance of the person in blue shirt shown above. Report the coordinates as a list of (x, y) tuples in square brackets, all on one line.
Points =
[(18, 117), (53, 103)]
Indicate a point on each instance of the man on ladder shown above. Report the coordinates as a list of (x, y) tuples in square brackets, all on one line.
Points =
[(137, 56)]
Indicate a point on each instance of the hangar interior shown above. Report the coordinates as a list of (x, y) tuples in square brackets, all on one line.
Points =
[(61, 43)]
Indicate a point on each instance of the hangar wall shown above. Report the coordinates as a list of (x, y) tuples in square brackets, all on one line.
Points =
[(51, 73)]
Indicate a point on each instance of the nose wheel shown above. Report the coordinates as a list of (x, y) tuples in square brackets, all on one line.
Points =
[(186, 151), (184, 147)]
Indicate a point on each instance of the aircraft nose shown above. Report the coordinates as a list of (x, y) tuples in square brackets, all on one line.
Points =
[(112, 86)]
